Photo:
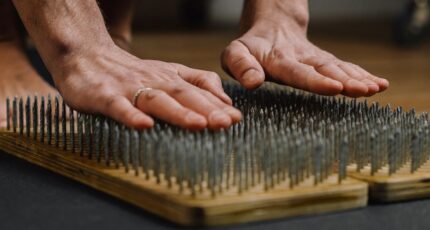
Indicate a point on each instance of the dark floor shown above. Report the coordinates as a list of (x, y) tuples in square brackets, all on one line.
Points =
[(34, 198)]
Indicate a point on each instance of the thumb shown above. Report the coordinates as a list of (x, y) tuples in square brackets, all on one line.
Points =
[(239, 62)]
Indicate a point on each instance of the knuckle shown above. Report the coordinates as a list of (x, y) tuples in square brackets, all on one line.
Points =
[(335, 61), (179, 89), (309, 58), (232, 51), (323, 63), (295, 72), (101, 86), (111, 100), (353, 65), (228, 52), (212, 77), (182, 114), (205, 93), (357, 66), (153, 94), (236, 60), (278, 53), (330, 64), (328, 55)]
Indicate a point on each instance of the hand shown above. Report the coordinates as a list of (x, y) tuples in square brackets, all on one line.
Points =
[(275, 48), (94, 75), (105, 81)]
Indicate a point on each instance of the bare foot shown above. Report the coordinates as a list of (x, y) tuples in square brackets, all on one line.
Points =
[(274, 46), (17, 77)]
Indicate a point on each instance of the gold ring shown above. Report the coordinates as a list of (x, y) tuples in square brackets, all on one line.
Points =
[(138, 93)]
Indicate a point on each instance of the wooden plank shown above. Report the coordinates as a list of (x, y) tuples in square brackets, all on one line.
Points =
[(227, 208), (400, 186)]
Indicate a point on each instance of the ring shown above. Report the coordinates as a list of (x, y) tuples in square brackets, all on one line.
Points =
[(138, 93)]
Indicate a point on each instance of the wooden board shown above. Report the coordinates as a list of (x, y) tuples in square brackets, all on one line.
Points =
[(400, 186), (227, 208)]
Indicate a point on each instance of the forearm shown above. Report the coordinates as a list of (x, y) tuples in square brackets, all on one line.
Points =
[(63, 28), (274, 11)]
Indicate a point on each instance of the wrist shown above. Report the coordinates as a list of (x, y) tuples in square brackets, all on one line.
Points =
[(69, 59), (63, 54), (275, 12)]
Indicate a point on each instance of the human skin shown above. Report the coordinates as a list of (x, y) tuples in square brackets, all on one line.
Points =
[(273, 46), (94, 75), (17, 76)]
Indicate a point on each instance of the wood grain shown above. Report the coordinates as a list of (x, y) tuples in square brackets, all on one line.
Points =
[(227, 208), (401, 186)]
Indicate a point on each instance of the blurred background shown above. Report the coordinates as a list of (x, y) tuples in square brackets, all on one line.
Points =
[(387, 37)]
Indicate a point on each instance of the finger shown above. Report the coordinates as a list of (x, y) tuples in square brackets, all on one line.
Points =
[(159, 104), (120, 109), (209, 81), (304, 77), (238, 61), (192, 99), (352, 72), (351, 86), (381, 82), (234, 113)]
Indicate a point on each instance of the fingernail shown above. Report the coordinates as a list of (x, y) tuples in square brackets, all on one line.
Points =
[(235, 114), (373, 87), (226, 98), (142, 120), (193, 118), (336, 84), (356, 83), (252, 79), (219, 118), (385, 83)]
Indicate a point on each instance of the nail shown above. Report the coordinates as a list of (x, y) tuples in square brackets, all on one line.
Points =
[(42, 119), (235, 114), (226, 98), (15, 114), (49, 120), (21, 117), (219, 118), (252, 78), (8, 113), (195, 119), (35, 117)]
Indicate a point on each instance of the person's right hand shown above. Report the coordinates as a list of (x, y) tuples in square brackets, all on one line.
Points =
[(105, 81), (274, 47)]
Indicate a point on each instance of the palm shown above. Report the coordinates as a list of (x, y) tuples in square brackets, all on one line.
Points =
[(292, 60)]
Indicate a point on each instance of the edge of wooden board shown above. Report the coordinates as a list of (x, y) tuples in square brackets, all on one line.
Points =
[(396, 188), (183, 209)]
